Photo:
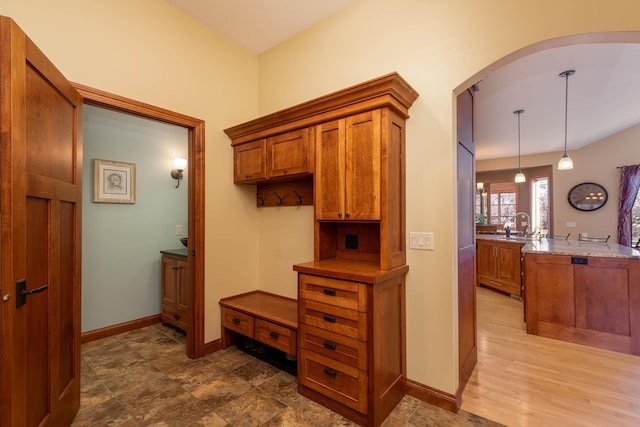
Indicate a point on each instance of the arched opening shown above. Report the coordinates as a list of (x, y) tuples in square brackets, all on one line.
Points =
[(466, 296)]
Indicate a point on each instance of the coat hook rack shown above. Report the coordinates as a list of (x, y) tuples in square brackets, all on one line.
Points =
[(300, 199), (280, 199), (260, 200)]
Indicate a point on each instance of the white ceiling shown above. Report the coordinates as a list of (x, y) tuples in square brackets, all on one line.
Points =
[(260, 24), (604, 93)]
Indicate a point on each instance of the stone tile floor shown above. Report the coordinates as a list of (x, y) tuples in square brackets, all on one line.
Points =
[(144, 378)]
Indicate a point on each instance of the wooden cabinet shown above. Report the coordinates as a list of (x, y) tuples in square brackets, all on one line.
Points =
[(265, 317), (347, 180), (249, 162), (175, 291), (351, 341), (351, 297), (583, 299), (284, 155), (289, 154), (499, 265)]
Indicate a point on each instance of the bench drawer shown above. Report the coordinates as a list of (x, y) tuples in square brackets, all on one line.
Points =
[(276, 336), (238, 321)]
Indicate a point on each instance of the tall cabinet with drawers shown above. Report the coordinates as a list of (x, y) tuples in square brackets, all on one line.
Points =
[(351, 297)]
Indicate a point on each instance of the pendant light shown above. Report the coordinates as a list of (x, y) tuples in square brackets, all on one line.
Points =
[(565, 162), (519, 176)]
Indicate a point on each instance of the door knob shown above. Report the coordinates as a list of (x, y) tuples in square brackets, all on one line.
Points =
[(22, 292)]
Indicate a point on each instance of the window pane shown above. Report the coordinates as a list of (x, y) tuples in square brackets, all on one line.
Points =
[(635, 221), (540, 204)]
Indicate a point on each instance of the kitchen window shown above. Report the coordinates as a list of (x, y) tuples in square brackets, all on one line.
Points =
[(540, 204), (503, 203)]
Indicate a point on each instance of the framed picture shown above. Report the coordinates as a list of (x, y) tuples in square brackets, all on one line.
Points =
[(114, 182)]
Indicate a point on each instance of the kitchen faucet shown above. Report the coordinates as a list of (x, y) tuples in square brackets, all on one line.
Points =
[(526, 227)]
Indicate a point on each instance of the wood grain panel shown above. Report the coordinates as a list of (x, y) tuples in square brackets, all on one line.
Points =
[(556, 294), (329, 173), (67, 294)]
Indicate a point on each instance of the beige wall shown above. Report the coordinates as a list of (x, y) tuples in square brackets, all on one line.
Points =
[(147, 50), (435, 46), (596, 162)]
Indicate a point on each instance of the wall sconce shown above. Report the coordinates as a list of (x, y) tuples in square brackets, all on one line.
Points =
[(480, 186), (176, 173)]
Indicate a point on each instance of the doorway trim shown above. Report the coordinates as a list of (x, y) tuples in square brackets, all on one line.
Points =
[(196, 346)]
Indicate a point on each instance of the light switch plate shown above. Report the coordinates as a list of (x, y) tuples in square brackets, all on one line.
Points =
[(421, 240), (179, 230)]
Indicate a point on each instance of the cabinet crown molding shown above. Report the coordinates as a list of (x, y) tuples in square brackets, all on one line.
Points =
[(390, 90)]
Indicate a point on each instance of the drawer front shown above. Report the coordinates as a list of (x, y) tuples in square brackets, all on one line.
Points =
[(347, 350), (174, 317), (335, 319), (237, 321), (341, 293), (276, 336), (340, 382)]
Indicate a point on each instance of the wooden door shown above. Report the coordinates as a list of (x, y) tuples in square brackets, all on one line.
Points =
[(467, 332), (329, 173), (40, 203), (362, 166)]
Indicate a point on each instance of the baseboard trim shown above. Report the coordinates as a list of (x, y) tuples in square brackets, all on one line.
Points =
[(109, 331), (212, 347), (433, 396)]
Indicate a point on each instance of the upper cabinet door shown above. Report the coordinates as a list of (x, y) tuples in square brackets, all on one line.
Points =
[(289, 153), (362, 166), (329, 174), (250, 162)]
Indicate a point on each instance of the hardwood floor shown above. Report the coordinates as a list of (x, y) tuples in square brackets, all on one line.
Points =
[(528, 380)]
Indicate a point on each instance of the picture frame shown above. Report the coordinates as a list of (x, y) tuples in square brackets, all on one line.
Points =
[(114, 182)]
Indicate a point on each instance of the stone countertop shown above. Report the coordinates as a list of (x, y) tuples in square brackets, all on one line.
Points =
[(182, 252), (567, 247)]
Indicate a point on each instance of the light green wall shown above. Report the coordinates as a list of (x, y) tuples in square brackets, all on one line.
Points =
[(121, 243)]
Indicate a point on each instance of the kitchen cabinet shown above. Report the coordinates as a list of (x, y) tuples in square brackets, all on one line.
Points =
[(590, 300), (175, 290), (348, 168), (351, 342), (499, 265)]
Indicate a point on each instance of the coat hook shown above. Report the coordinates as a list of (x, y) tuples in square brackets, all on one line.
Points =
[(280, 199), (300, 199), (260, 200)]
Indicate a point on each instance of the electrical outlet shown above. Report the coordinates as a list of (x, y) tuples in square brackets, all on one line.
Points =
[(351, 241)]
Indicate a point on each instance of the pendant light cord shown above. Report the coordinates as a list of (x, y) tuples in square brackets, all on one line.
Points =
[(519, 169), (566, 109)]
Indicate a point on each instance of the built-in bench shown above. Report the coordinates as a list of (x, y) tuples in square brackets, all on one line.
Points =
[(265, 318)]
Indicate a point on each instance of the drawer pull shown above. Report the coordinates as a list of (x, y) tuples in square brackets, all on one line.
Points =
[(330, 345), (330, 292), (175, 316), (235, 321), (328, 318), (330, 372), (274, 335)]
